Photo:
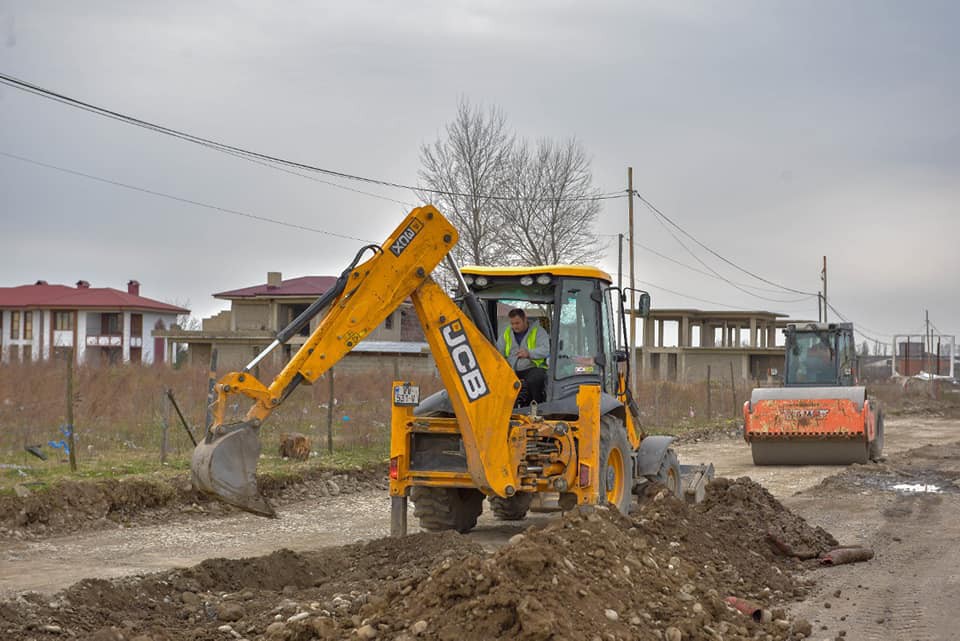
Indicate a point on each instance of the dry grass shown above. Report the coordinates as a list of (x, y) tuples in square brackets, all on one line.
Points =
[(120, 414)]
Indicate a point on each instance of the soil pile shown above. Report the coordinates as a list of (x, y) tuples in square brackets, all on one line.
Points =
[(760, 520), (71, 506), (662, 573)]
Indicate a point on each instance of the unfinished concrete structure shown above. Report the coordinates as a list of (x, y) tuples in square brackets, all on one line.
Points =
[(716, 339), (258, 312)]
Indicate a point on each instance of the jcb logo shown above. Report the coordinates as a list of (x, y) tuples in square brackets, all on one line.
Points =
[(407, 235), (464, 360)]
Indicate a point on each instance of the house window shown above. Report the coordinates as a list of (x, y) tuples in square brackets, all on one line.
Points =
[(110, 325), (388, 323), (28, 326), (63, 321), (136, 324), (15, 325)]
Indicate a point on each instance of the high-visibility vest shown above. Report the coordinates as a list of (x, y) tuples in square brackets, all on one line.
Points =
[(531, 345)]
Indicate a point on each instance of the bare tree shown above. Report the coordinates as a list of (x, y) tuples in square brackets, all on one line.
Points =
[(468, 166), (552, 213)]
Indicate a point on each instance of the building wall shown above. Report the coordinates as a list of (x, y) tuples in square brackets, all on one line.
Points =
[(247, 316)]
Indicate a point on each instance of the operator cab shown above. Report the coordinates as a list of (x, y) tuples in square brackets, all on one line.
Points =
[(576, 305), (820, 354)]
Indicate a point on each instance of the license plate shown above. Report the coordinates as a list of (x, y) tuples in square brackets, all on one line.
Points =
[(406, 395)]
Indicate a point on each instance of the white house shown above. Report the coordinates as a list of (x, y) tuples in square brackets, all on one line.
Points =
[(101, 324)]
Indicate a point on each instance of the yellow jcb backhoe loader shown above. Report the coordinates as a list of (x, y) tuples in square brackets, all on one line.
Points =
[(469, 441)]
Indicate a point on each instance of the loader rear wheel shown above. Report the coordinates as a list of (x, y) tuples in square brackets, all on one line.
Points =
[(876, 446), (513, 508), (616, 465), (447, 508)]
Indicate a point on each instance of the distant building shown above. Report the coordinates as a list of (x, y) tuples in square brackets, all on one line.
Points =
[(258, 312), (100, 324), (744, 341)]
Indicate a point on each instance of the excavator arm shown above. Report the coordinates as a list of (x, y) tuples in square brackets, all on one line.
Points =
[(224, 463)]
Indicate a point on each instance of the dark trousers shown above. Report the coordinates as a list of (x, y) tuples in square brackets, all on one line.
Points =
[(533, 386)]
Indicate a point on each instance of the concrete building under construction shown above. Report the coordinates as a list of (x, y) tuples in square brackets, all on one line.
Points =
[(681, 344)]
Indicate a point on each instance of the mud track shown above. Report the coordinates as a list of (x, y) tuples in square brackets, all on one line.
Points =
[(907, 592)]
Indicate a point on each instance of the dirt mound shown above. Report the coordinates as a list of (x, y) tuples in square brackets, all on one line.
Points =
[(662, 573), (763, 524), (71, 506)]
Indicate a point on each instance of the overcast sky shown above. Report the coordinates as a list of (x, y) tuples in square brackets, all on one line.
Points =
[(776, 132)]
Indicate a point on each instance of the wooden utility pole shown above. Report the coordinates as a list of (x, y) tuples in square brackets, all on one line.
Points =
[(819, 307), (71, 441), (825, 289), (928, 341), (633, 304), (620, 261)]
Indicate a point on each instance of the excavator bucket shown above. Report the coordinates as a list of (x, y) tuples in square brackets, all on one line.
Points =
[(809, 426), (225, 464)]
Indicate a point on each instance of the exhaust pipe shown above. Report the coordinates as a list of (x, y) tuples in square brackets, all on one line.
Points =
[(224, 465)]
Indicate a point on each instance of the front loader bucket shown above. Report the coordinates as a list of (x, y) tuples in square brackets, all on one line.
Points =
[(225, 464)]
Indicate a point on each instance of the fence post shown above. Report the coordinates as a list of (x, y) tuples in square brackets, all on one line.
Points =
[(733, 391), (330, 413), (211, 396), (164, 426), (709, 390), (72, 442)]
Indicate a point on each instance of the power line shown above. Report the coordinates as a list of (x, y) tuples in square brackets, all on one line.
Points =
[(720, 276), (659, 213), (23, 85), (180, 199)]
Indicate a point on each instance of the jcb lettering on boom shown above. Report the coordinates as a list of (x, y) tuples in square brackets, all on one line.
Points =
[(407, 235), (464, 360)]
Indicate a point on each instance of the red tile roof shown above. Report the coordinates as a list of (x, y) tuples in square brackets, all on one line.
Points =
[(63, 297), (311, 286)]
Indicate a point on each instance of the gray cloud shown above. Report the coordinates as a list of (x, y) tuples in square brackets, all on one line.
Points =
[(776, 132)]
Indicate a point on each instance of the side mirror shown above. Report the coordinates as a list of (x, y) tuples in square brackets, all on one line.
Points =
[(643, 305), (620, 356)]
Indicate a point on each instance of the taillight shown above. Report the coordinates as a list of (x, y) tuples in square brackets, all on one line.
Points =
[(584, 475), (395, 468)]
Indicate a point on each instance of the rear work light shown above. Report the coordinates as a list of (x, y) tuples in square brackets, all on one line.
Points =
[(584, 475), (395, 468)]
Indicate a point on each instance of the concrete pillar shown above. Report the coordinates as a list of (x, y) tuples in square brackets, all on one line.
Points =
[(660, 334), (81, 347), (126, 337), (745, 366), (707, 332), (753, 332), (683, 338), (771, 335), (647, 340)]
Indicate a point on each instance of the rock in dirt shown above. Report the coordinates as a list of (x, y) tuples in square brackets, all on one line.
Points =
[(230, 612), (108, 634)]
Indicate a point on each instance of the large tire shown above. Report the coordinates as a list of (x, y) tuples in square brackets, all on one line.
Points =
[(876, 446), (615, 476), (514, 508), (669, 473), (442, 508)]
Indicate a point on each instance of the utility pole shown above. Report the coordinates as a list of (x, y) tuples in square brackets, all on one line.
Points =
[(824, 275), (620, 261), (928, 341), (819, 307), (633, 304)]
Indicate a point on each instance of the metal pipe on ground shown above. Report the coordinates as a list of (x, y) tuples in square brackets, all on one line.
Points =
[(748, 608), (842, 556)]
